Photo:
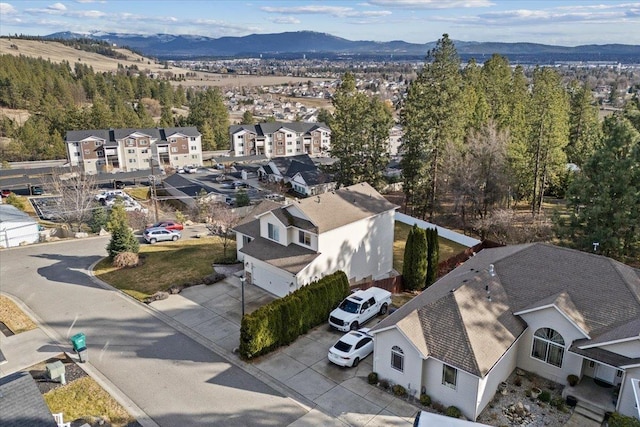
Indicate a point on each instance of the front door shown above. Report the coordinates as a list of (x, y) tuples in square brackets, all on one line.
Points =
[(606, 373)]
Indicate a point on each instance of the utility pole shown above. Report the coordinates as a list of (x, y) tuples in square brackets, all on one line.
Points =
[(154, 198)]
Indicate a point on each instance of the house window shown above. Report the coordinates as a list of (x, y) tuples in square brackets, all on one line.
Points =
[(246, 239), (548, 346), (273, 232), (397, 358), (449, 376), (304, 238)]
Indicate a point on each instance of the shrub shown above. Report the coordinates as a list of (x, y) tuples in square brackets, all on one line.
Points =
[(572, 380), (619, 420), (384, 384), (126, 259), (98, 219), (372, 378), (545, 396), (453, 412), (400, 391), (438, 407), (425, 399), (517, 381), (16, 201)]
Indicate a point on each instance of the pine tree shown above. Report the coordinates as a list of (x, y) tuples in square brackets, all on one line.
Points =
[(414, 267), (584, 126), (122, 238), (433, 116), (605, 196)]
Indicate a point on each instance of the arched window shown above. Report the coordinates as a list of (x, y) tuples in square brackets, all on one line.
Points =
[(397, 358), (548, 346)]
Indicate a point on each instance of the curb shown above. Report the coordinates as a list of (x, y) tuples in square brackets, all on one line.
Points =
[(230, 357), (133, 409)]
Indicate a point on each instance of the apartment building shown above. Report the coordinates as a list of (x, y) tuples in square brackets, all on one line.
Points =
[(278, 139), (108, 150)]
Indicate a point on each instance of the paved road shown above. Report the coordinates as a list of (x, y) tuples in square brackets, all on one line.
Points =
[(173, 379)]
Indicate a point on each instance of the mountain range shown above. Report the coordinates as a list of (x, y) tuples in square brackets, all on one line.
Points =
[(321, 45)]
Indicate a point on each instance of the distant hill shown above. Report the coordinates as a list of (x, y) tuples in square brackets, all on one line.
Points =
[(322, 45)]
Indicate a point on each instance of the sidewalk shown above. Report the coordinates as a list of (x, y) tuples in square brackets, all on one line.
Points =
[(335, 396)]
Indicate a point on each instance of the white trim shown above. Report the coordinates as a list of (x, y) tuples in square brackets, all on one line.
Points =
[(636, 392), (635, 365), (542, 307), (545, 361), (600, 344)]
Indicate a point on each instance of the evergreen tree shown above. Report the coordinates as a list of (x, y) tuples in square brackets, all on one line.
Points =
[(207, 110), (99, 219), (414, 267), (242, 198), (549, 124), (433, 255), (324, 116), (434, 115), (604, 197), (247, 118), (584, 126), (122, 238)]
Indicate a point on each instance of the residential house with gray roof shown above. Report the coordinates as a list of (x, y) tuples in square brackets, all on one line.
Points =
[(125, 150), (279, 139), (290, 246), (549, 310), (22, 404), (300, 172)]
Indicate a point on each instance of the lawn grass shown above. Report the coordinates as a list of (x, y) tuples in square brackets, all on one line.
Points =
[(401, 231), (138, 193), (165, 264), (13, 317), (84, 398)]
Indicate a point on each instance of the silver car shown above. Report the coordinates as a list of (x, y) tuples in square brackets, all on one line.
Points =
[(160, 234)]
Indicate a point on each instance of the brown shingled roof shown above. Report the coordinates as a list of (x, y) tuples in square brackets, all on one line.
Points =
[(462, 327)]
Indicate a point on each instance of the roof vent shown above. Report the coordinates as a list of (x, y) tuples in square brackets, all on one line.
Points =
[(492, 270), (489, 298)]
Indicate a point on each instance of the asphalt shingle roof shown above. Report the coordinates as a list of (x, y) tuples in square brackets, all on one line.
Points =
[(458, 324), (292, 258), (21, 404), (262, 129), (112, 135)]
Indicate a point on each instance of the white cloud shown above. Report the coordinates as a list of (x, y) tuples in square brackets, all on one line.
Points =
[(89, 14), (59, 7), (285, 20), (336, 11), (7, 9), (432, 4)]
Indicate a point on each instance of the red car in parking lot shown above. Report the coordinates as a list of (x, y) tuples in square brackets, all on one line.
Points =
[(169, 225)]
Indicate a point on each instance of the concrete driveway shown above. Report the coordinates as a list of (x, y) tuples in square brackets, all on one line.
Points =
[(337, 396)]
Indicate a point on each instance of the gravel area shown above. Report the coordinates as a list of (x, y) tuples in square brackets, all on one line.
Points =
[(516, 408), (39, 373)]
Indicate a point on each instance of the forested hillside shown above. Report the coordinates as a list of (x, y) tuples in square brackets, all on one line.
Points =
[(61, 97)]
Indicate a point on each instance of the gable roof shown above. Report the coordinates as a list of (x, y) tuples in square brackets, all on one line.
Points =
[(262, 129), (21, 404), (113, 135), (347, 205), (460, 326), (292, 258), (289, 166)]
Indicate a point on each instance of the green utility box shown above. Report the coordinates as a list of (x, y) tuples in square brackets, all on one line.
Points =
[(79, 342)]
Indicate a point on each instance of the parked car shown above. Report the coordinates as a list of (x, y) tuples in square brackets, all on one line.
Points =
[(5, 193), (105, 194), (360, 307), (349, 350), (118, 184), (169, 225), (160, 234), (36, 190)]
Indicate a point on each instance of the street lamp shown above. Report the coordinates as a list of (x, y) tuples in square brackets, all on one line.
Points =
[(242, 280)]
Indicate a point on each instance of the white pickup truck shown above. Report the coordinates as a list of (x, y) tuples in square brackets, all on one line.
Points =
[(360, 307)]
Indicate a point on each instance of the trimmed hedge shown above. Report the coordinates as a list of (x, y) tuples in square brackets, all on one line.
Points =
[(283, 320)]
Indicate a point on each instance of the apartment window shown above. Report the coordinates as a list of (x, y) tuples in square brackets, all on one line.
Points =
[(146, 160), (99, 143), (194, 156), (289, 143), (289, 151), (174, 149), (131, 151), (87, 151), (85, 142), (289, 135), (194, 147), (397, 358), (77, 153), (143, 142), (145, 151), (449, 376), (273, 232), (132, 160), (75, 144), (548, 346), (193, 138), (100, 153), (304, 238)]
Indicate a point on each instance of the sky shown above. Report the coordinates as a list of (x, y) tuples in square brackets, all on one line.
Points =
[(559, 22)]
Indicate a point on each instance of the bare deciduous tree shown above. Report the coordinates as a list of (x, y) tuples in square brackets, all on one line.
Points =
[(76, 197), (222, 219)]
